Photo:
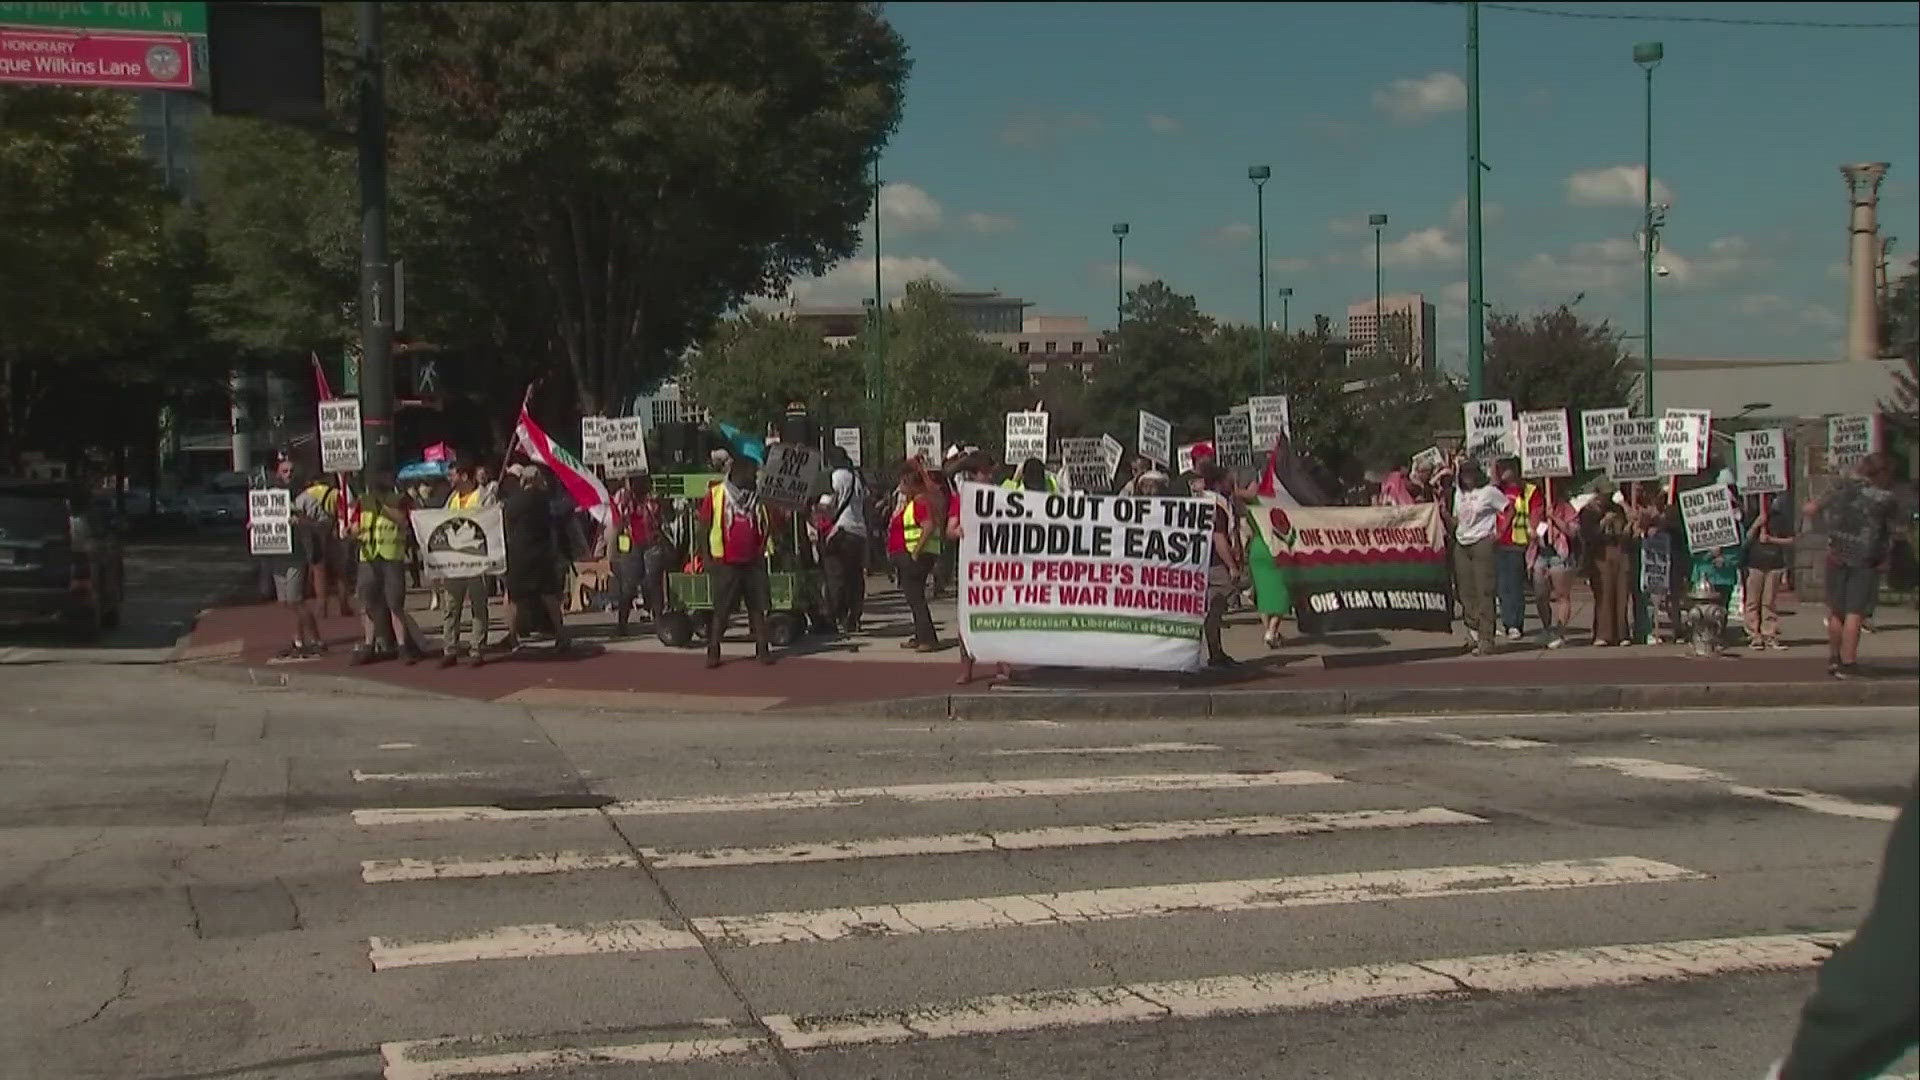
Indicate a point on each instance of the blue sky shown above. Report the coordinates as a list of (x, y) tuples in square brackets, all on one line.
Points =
[(1031, 129)]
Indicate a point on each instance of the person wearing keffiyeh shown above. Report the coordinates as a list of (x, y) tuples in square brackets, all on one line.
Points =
[(736, 530)]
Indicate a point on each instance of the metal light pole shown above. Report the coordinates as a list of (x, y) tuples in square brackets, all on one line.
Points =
[(376, 273), (1120, 231), (1378, 221), (1259, 175), (1286, 297), (1476, 309), (1648, 54), (877, 326)]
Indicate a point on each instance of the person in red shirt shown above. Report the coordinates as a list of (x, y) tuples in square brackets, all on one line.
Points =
[(635, 548), (735, 531), (913, 543)]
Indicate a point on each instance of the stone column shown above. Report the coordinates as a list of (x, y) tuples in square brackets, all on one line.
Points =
[(1863, 257)]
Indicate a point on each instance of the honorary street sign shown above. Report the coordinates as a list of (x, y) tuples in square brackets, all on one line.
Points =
[(58, 58)]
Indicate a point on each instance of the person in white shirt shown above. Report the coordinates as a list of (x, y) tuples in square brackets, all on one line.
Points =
[(843, 543), (1471, 514)]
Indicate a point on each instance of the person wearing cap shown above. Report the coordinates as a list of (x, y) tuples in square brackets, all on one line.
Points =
[(737, 529), (913, 543), (464, 594)]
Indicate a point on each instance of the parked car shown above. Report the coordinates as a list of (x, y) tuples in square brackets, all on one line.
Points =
[(60, 564), (219, 509)]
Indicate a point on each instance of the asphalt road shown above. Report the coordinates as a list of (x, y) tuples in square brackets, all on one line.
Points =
[(168, 583), (200, 880)]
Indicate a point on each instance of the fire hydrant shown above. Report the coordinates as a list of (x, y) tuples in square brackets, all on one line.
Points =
[(1706, 619)]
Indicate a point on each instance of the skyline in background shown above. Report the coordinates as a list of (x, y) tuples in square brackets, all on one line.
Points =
[(1029, 130)]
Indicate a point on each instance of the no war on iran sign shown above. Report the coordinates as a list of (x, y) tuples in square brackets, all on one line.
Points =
[(1083, 580)]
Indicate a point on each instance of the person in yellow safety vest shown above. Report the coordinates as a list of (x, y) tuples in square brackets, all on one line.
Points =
[(380, 521), (1512, 541), (1032, 476), (738, 530), (913, 543), (327, 557), (465, 593)]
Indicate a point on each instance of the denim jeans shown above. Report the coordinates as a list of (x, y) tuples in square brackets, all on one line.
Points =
[(1510, 583)]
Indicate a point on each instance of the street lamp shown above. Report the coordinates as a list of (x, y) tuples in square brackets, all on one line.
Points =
[(1259, 175), (1648, 54), (1119, 284), (1286, 297), (1378, 221)]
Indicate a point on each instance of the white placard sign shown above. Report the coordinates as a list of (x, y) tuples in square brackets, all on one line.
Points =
[(1702, 449), (1635, 454), (786, 480), (1711, 522), (1026, 437), (1155, 440), (1185, 456), (1430, 459), (270, 521), (1113, 453), (341, 448), (848, 439), (623, 446), (1546, 443), (1656, 564), (1596, 436), (1233, 441), (923, 441), (592, 450), (1678, 446), (460, 543), (1760, 461), (1083, 580), (1490, 434), (1851, 438), (1085, 464), (1270, 419)]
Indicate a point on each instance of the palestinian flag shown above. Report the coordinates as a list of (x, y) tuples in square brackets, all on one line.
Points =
[(588, 492), (1361, 567)]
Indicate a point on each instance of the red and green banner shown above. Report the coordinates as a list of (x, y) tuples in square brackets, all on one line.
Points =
[(1361, 567)]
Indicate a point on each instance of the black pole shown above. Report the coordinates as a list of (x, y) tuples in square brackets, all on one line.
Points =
[(376, 272)]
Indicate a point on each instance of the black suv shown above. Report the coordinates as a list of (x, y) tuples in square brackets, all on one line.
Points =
[(59, 563)]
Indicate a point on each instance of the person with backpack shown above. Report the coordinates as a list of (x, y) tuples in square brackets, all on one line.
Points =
[(843, 542)]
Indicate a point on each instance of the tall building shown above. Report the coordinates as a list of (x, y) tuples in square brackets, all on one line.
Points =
[(1407, 322), (1045, 342)]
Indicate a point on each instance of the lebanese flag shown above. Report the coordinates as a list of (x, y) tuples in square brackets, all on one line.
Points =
[(588, 492)]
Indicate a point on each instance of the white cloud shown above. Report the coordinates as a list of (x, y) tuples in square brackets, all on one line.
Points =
[(1453, 300), (1617, 185), (906, 209), (1729, 246), (852, 281), (1043, 131), (1490, 213), (1289, 265), (1611, 250), (1237, 234), (1348, 226), (1786, 311), (1410, 101), (989, 224), (1422, 247), (1162, 124), (1613, 265), (1131, 274)]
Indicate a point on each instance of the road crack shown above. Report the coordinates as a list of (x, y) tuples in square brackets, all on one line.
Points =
[(119, 994)]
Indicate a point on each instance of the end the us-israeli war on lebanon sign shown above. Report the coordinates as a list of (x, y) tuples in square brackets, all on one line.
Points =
[(1361, 568), (1083, 580)]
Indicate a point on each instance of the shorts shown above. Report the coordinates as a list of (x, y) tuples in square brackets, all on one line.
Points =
[(381, 584), (1851, 590), (1553, 564), (290, 584)]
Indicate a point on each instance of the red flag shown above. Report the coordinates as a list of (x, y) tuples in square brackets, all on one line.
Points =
[(588, 492)]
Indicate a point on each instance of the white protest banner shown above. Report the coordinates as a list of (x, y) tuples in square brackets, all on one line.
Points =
[(1760, 461), (623, 446), (1085, 464), (460, 543), (923, 440), (1113, 454), (1702, 449), (848, 439), (1233, 440), (592, 450), (1490, 433), (1596, 436), (1026, 437), (270, 521), (1546, 443), (1430, 459), (1185, 456), (1678, 446), (1656, 564), (1711, 522), (1270, 419), (786, 480), (1083, 580), (341, 447), (1636, 445), (1850, 438), (1155, 440)]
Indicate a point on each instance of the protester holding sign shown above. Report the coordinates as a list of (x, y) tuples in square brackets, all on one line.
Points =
[(737, 531), (843, 542), (913, 543), (1473, 514), (1550, 563), (1857, 515), (380, 525), (1227, 574), (533, 578), (1715, 539), (290, 569), (1769, 548), (1513, 544), (1606, 552), (466, 592), (638, 549)]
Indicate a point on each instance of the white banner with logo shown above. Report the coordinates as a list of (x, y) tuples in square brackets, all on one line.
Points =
[(1596, 436), (786, 480), (1711, 522), (1026, 437), (460, 543), (1760, 461), (342, 449), (1546, 443), (269, 521), (1155, 440), (1083, 580)]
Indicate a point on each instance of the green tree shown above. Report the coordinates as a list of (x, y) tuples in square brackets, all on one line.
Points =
[(938, 369), (752, 366), (1554, 359), (1166, 365)]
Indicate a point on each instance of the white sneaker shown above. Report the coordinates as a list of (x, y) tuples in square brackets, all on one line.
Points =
[(1513, 633), (1556, 641)]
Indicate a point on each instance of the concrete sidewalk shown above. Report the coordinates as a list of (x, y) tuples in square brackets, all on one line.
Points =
[(1370, 671)]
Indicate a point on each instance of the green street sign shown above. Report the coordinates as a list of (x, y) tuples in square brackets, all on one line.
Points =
[(139, 18)]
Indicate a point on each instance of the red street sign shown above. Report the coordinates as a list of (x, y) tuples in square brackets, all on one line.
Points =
[(50, 57)]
